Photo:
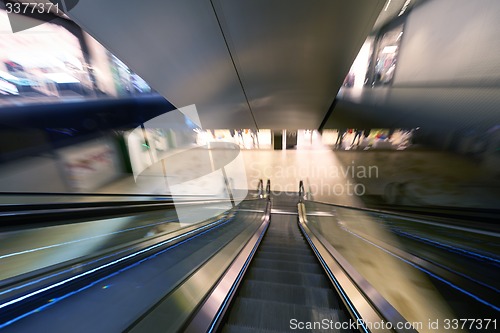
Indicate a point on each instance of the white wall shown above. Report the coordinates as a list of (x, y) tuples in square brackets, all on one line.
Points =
[(101, 65), (33, 174), (451, 42), (90, 165)]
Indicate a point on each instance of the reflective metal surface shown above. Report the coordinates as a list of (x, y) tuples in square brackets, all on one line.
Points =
[(143, 273), (357, 294), (426, 271)]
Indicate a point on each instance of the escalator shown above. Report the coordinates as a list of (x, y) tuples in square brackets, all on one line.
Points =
[(285, 285), (287, 279), (254, 268), (134, 261)]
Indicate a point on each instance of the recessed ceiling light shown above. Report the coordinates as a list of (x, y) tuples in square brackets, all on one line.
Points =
[(405, 6), (387, 5)]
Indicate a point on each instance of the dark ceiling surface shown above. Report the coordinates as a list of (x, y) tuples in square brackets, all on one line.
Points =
[(244, 63)]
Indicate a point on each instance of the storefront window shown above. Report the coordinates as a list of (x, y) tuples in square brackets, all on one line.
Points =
[(357, 74), (46, 62), (386, 57)]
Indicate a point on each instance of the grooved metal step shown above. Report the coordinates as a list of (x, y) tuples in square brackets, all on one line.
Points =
[(243, 329), (279, 316), (278, 276), (283, 248), (286, 256), (276, 292), (288, 266)]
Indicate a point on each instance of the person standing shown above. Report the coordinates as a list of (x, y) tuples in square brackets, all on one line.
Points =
[(340, 137), (357, 135)]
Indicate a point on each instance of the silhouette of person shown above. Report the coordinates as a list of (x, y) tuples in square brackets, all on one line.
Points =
[(357, 135), (340, 136)]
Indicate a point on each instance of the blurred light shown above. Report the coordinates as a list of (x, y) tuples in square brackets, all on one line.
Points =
[(405, 6), (389, 49), (387, 5)]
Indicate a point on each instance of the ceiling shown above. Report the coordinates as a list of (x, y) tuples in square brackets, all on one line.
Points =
[(393, 9), (243, 63)]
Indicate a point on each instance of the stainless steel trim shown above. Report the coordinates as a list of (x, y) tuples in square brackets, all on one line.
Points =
[(209, 315), (414, 217), (482, 291), (79, 265)]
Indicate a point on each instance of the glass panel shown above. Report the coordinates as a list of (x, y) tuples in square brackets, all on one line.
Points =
[(387, 53), (426, 269), (47, 63), (139, 285)]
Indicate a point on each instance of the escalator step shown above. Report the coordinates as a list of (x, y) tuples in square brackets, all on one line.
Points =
[(285, 248), (309, 258), (276, 276), (283, 240), (289, 245), (245, 329), (287, 266), (310, 296), (260, 314), (282, 233), (284, 281), (280, 236)]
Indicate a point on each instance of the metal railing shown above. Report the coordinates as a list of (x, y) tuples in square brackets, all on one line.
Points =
[(301, 192), (210, 314), (363, 302), (260, 189)]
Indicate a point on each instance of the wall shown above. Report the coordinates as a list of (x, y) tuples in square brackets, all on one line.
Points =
[(101, 65), (447, 79), (451, 42), (33, 174)]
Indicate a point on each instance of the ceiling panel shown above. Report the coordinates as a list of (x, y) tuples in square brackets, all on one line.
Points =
[(292, 56), (177, 47)]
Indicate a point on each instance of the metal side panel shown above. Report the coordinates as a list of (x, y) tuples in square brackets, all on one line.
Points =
[(29, 292), (213, 309), (363, 301)]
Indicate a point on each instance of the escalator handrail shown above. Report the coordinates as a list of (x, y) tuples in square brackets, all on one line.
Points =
[(84, 194), (486, 215), (420, 215), (79, 199), (260, 189), (68, 206), (59, 214), (268, 188), (301, 191)]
